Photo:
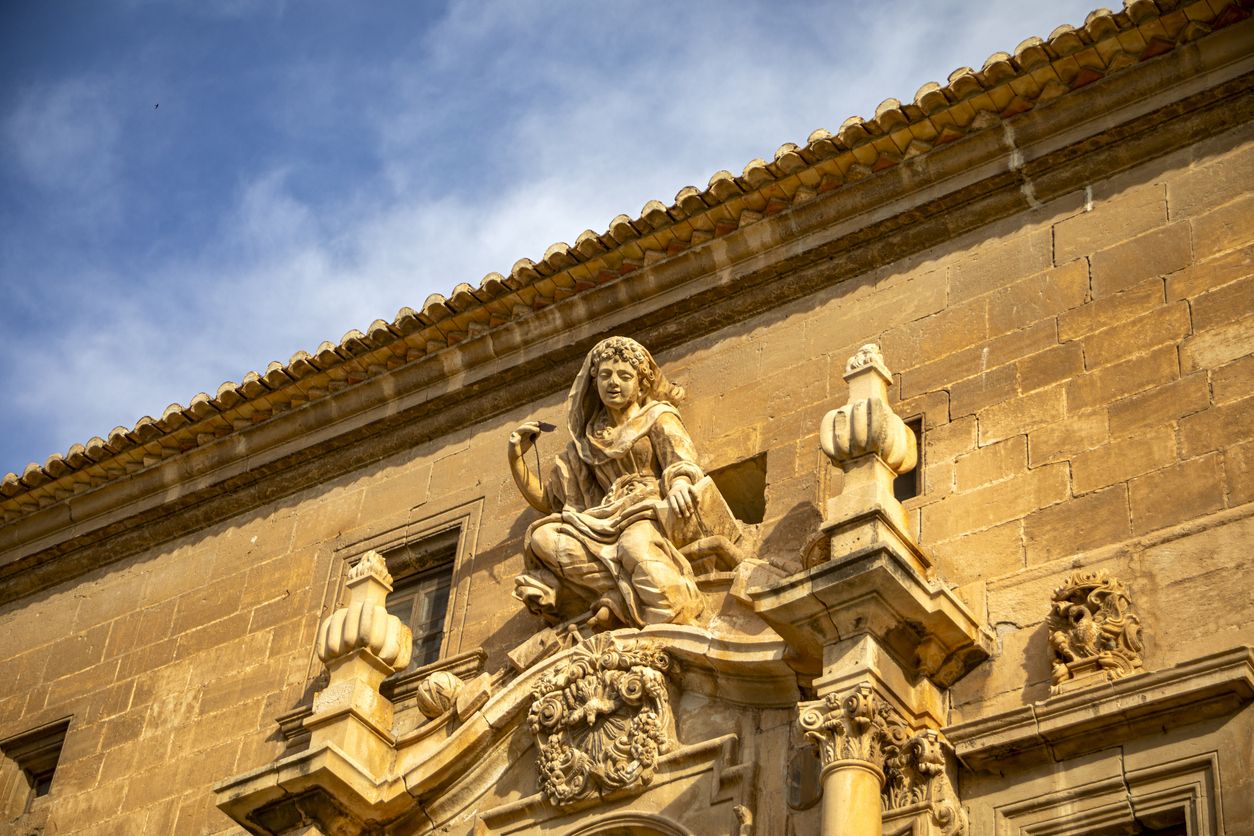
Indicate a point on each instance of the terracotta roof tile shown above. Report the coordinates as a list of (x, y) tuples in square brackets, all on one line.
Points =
[(971, 100)]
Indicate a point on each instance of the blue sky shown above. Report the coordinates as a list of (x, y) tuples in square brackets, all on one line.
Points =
[(190, 189)]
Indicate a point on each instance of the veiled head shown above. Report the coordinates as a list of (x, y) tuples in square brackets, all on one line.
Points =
[(625, 356)]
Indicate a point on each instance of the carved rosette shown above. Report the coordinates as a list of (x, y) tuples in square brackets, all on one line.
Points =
[(602, 718), (1093, 629), (858, 726), (916, 774)]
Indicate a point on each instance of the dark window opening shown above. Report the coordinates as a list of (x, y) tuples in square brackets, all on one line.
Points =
[(36, 754), (1169, 822), (909, 485), (422, 581), (743, 485), (804, 771)]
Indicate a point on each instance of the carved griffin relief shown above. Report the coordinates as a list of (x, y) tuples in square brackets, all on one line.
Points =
[(1093, 629), (602, 718)]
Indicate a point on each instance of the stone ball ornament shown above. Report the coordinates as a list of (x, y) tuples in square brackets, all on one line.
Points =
[(437, 694)]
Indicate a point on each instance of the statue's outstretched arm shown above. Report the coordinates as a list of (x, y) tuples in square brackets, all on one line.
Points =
[(521, 440)]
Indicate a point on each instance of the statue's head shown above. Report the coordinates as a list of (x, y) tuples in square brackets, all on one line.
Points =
[(623, 371), (631, 374)]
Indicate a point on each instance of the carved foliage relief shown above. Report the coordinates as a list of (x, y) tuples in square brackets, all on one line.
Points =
[(602, 719), (857, 727), (1093, 629)]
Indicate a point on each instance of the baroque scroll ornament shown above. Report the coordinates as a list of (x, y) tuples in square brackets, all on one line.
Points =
[(1093, 629), (602, 719)]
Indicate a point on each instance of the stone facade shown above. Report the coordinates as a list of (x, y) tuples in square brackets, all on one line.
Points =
[(1055, 258)]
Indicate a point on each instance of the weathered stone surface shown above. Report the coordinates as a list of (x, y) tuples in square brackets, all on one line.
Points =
[(1110, 222)]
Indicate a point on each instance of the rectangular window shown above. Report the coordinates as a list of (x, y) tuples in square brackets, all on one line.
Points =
[(909, 485), (422, 580), (36, 754)]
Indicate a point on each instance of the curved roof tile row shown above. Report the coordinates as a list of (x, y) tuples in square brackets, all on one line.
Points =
[(1006, 85)]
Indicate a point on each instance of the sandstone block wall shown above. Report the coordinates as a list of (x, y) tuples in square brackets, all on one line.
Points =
[(1083, 372)]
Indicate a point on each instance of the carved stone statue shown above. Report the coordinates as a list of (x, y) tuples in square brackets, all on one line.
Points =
[(624, 497)]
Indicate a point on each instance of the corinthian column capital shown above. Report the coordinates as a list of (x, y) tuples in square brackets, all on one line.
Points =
[(857, 725)]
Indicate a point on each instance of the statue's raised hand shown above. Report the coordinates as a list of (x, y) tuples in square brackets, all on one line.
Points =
[(523, 438)]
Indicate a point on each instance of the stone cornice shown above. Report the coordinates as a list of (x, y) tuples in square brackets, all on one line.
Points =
[(407, 382), (1103, 715)]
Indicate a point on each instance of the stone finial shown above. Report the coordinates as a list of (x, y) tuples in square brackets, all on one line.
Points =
[(872, 445), (360, 643), (364, 622), (371, 565), (1093, 630), (867, 424), (868, 355)]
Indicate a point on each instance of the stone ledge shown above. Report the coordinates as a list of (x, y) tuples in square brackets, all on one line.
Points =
[(876, 591), (1105, 714)]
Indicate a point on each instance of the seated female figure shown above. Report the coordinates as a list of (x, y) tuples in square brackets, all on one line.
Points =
[(601, 546)]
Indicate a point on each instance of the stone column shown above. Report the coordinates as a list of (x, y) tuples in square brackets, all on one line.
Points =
[(852, 733), (884, 635)]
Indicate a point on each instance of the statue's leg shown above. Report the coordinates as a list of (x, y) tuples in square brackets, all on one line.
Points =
[(566, 557), (665, 592)]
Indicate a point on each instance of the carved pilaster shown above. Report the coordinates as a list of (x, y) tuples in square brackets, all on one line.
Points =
[(602, 719), (1093, 629), (917, 775)]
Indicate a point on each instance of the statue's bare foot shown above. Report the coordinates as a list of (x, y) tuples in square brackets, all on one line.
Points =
[(589, 622)]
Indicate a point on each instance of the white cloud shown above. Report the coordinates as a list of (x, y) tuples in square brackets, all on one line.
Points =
[(64, 138)]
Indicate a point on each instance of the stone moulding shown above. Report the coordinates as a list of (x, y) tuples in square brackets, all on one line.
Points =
[(602, 718), (1093, 629), (876, 591), (714, 772), (1106, 713)]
